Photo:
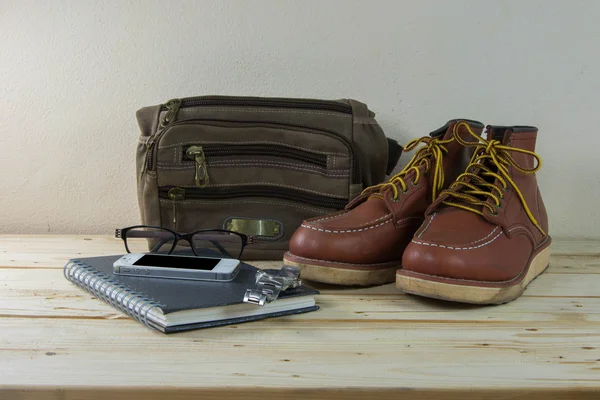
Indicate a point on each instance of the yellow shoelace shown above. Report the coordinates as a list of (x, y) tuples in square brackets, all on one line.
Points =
[(433, 149), (470, 184)]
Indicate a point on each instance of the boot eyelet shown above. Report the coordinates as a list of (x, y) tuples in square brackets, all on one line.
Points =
[(414, 184), (404, 191), (395, 199)]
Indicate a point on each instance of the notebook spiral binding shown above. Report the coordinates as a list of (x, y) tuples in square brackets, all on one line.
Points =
[(120, 296)]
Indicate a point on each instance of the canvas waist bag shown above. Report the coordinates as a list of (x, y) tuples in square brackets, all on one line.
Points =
[(258, 166)]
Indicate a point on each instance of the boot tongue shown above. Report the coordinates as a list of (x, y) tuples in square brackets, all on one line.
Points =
[(375, 206), (499, 133), (371, 207), (445, 132)]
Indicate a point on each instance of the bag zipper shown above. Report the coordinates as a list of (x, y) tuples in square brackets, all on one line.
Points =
[(175, 194), (199, 154), (174, 105), (224, 150), (355, 161), (196, 153)]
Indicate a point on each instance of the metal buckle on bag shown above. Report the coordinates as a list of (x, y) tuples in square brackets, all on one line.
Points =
[(270, 284), (263, 228)]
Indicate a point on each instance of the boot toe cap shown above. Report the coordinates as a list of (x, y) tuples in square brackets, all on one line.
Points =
[(373, 244), (484, 264), (430, 260), (319, 243), (308, 243)]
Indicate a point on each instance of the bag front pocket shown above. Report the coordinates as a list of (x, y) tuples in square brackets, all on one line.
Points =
[(240, 154), (257, 150), (268, 156), (283, 141), (321, 203)]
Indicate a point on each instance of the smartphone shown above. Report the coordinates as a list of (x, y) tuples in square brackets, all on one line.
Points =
[(177, 267)]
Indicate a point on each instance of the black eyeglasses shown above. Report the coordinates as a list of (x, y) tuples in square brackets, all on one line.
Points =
[(141, 238)]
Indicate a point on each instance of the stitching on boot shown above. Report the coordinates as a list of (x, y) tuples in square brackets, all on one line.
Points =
[(399, 221), (458, 248), (330, 217), (483, 238), (348, 230), (429, 223), (368, 223)]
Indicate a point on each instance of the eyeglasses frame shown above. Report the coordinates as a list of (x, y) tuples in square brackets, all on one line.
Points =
[(122, 234)]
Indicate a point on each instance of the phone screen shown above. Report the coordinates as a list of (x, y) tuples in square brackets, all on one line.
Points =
[(198, 263)]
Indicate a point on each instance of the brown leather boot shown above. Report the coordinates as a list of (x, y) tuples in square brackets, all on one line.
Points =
[(363, 244), (486, 237)]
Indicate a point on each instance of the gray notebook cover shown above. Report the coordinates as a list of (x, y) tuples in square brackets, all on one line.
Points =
[(172, 295)]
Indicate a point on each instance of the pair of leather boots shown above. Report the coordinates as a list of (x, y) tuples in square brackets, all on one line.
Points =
[(463, 221)]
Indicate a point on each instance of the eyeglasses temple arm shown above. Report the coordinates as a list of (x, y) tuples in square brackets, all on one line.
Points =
[(159, 244), (221, 248), (146, 234)]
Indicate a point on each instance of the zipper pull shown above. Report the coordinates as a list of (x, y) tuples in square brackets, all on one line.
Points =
[(148, 155), (197, 153), (172, 110), (176, 194)]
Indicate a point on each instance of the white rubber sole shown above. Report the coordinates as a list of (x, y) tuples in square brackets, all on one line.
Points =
[(473, 294), (342, 276)]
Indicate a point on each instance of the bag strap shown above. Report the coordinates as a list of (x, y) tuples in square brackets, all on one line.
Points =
[(394, 152)]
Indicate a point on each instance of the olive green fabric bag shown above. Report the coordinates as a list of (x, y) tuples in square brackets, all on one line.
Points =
[(258, 166)]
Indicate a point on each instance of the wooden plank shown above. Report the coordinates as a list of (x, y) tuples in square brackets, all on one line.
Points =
[(262, 393), (47, 293), (551, 285), (59, 342), (576, 247), (547, 285), (53, 250), (75, 303), (277, 353), (574, 264), (59, 244)]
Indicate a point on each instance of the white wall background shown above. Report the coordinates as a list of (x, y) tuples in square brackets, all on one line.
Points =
[(73, 73)]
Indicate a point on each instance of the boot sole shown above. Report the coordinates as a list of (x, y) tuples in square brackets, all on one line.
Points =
[(457, 290), (343, 274)]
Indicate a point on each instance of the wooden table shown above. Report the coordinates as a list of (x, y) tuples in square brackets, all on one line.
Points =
[(57, 342)]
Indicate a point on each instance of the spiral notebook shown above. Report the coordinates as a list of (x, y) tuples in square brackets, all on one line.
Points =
[(170, 305)]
